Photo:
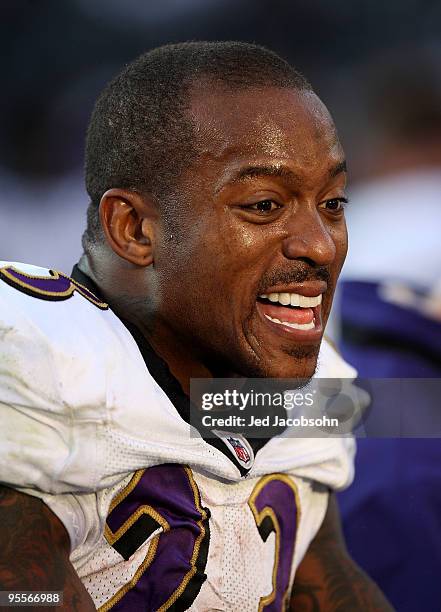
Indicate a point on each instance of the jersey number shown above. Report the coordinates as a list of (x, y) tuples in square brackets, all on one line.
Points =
[(165, 499), (172, 573), (275, 507)]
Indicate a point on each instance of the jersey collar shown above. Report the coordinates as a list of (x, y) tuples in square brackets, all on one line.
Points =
[(238, 449)]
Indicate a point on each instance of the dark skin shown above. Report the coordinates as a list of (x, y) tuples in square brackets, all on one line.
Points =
[(223, 248), (35, 550), (258, 211)]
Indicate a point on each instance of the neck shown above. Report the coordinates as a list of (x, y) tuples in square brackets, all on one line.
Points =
[(116, 285), (183, 364)]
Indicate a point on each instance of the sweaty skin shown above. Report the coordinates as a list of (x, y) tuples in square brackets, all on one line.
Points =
[(220, 250), (257, 212)]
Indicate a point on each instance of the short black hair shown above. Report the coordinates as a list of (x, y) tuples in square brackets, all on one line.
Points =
[(140, 136)]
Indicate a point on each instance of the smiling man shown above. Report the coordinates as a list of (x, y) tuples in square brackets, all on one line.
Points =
[(216, 235)]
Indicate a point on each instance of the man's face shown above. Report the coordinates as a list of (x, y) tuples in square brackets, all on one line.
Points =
[(246, 273)]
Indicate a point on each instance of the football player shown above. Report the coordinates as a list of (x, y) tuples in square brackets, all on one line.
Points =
[(215, 237)]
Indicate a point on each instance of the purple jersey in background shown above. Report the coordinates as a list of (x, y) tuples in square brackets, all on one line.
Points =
[(392, 513)]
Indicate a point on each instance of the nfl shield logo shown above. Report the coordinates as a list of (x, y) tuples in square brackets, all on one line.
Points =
[(241, 452)]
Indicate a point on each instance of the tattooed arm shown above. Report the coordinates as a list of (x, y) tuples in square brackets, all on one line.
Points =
[(34, 551), (328, 579)]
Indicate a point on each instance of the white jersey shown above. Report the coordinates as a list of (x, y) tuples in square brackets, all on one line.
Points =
[(158, 518)]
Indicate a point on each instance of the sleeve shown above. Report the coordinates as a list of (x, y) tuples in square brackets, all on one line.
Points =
[(79, 513), (328, 461), (47, 443)]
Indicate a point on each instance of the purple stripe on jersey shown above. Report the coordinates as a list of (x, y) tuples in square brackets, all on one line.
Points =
[(57, 287), (48, 285), (164, 487), (168, 490), (88, 294), (280, 496)]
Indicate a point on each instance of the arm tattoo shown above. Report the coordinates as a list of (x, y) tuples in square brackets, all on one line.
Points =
[(329, 580), (34, 551)]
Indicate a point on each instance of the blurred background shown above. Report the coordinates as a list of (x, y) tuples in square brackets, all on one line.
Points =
[(377, 66)]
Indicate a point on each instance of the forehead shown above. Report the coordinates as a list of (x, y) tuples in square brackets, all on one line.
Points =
[(249, 124)]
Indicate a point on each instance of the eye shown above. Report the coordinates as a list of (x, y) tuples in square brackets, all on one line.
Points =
[(263, 207), (334, 205)]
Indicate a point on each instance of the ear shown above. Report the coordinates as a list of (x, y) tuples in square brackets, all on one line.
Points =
[(128, 220)]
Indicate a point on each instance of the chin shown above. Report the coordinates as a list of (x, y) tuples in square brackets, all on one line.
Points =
[(301, 369), (299, 362)]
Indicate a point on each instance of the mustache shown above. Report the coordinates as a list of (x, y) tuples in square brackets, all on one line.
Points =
[(298, 275)]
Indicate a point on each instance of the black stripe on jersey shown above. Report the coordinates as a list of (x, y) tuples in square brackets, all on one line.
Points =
[(136, 535), (191, 591), (265, 528)]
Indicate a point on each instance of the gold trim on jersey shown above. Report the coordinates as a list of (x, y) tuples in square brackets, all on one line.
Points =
[(54, 275), (113, 537), (144, 509), (139, 572), (189, 575), (82, 288), (269, 512)]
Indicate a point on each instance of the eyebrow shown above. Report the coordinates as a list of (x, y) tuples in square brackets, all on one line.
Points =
[(340, 167), (279, 171)]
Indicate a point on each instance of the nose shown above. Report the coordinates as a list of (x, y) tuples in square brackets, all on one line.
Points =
[(309, 238)]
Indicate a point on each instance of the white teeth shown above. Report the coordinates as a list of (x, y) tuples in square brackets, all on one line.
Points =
[(293, 299), (284, 299), (309, 302), (303, 326)]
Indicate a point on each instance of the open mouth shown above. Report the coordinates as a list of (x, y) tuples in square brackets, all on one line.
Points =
[(292, 312)]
